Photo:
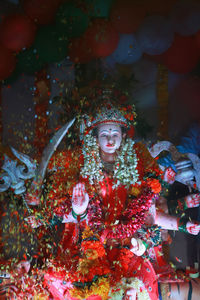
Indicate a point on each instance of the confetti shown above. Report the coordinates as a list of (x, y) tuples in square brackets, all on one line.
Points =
[(178, 259)]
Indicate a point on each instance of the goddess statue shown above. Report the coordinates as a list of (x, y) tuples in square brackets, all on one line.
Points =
[(105, 193)]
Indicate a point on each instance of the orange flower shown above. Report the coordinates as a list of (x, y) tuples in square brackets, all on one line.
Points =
[(154, 184), (93, 249)]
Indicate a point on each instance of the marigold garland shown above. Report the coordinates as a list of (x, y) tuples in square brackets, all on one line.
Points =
[(91, 276), (154, 184), (101, 287), (92, 250)]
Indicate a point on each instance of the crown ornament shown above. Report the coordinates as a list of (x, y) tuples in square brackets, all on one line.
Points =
[(107, 110), (109, 114)]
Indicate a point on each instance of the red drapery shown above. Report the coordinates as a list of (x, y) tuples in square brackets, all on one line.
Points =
[(41, 100)]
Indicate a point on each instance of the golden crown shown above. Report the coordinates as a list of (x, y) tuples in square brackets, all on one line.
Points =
[(108, 110), (109, 114)]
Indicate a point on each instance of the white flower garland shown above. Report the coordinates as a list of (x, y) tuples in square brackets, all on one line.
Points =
[(92, 162), (125, 166), (125, 171)]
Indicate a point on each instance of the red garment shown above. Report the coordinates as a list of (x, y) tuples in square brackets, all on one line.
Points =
[(114, 200), (134, 266)]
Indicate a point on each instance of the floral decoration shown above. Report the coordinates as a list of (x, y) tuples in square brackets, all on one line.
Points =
[(134, 213), (91, 276), (154, 184), (137, 284), (125, 168)]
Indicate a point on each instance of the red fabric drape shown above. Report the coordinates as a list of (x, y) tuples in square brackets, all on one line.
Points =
[(41, 99)]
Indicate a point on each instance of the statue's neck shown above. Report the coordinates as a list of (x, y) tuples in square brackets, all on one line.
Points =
[(108, 157)]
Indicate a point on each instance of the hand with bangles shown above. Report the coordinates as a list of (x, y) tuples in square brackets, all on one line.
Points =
[(179, 224), (80, 199)]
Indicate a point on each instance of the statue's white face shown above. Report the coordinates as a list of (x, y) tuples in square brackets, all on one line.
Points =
[(109, 137)]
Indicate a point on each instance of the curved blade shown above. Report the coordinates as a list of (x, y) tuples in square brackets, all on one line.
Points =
[(50, 149), (35, 188)]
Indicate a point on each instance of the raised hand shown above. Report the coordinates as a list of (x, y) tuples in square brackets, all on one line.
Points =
[(192, 200), (23, 267), (32, 198), (169, 175), (193, 227), (80, 199), (33, 222), (138, 248)]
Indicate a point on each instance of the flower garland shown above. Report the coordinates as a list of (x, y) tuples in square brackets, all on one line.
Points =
[(137, 284), (88, 278), (125, 171), (101, 288), (91, 276), (135, 213), (125, 167), (93, 167)]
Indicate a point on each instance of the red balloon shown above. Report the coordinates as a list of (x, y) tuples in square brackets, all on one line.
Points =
[(8, 62), (17, 32), (41, 11), (183, 55), (79, 51), (126, 16), (101, 37)]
